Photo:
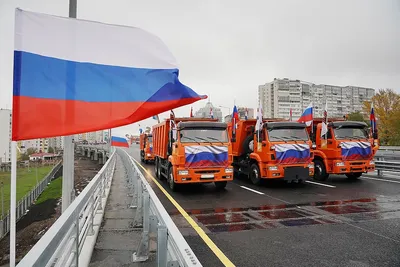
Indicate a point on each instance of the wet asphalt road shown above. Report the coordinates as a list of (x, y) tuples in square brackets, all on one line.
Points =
[(335, 223)]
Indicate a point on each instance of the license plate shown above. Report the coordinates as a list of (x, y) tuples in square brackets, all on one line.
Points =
[(207, 176)]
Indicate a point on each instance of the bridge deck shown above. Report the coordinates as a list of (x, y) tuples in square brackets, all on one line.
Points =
[(118, 238)]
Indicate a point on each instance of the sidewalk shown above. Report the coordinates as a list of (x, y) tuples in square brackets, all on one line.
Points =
[(117, 239)]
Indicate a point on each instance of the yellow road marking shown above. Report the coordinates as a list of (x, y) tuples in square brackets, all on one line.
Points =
[(220, 255)]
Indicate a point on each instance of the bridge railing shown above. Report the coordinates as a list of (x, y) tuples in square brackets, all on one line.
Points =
[(63, 243), (172, 248)]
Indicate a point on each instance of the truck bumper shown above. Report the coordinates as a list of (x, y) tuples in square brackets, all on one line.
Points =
[(203, 175), (343, 167), (288, 173), (149, 157)]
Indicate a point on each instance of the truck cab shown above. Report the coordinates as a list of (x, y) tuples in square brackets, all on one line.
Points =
[(279, 150), (146, 148), (346, 149), (195, 151)]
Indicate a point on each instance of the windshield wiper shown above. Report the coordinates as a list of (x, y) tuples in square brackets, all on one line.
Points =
[(280, 138), (201, 138), (190, 138), (212, 138)]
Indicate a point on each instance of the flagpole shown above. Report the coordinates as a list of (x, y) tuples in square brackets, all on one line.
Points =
[(13, 200), (68, 157)]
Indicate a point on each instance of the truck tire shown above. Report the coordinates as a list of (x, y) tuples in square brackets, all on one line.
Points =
[(220, 185), (255, 175), (157, 174), (246, 143), (320, 171), (171, 182), (141, 156), (354, 176)]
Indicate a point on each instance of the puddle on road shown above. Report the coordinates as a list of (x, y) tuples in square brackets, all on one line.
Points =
[(278, 216), (222, 218)]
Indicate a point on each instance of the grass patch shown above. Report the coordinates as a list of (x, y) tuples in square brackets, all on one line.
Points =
[(52, 191), (26, 181)]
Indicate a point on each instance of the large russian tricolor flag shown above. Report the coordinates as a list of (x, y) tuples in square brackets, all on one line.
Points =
[(356, 150), (292, 153), (119, 141), (73, 76), (206, 156)]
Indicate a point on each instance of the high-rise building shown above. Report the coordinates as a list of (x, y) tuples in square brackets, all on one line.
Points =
[(281, 95), (5, 135), (205, 112)]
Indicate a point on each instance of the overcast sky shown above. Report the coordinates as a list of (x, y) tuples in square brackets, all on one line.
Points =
[(225, 49)]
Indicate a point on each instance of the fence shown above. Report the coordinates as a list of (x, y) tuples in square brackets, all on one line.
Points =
[(24, 204), (76, 229), (172, 248)]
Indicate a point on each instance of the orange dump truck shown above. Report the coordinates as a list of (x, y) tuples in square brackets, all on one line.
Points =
[(146, 147), (279, 150), (347, 148), (195, 150)]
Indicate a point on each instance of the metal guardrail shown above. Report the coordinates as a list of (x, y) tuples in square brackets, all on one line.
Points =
[(387, 159), (62, 244), (24, 203), (172, 248)]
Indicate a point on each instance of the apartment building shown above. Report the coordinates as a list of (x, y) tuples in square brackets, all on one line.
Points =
[(204, 112), (281, 95)]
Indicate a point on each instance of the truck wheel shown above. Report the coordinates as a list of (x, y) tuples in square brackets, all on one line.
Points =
[(170, 179), (354, 176), (254, 174), (141, 157), (220, 185), (156, 168), (320, 171)]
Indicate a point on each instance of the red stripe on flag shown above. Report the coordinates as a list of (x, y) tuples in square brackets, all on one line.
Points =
[(40, 118)]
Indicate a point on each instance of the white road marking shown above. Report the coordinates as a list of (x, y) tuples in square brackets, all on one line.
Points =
[(382, 180), (327, 185), (252, 190)]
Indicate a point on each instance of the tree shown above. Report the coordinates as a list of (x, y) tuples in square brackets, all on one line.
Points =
[(387, 111), (30, 151), (24, 156), (50, 150), (357, 116)]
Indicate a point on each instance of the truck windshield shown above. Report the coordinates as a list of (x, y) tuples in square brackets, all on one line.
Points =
[(288, 134), (150, 139), (203, 135), (350, 132)]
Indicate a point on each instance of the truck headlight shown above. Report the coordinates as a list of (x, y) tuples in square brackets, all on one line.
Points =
[(340, 164), (148, 154), (183, 172), (228, 170), (273, 168), (371, 162), (311, 165)]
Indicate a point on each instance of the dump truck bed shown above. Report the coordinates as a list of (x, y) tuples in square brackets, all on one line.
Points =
[(161, 132)]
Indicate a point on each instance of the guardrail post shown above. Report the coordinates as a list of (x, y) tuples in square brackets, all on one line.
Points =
[(380, 171), (1, 228), (93, 213), (142, 252), (138, 200), (162, 245), (136, 189)]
